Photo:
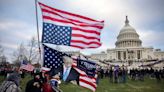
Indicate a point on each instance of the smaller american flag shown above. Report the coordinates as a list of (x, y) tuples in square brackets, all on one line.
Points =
[(26, 66)]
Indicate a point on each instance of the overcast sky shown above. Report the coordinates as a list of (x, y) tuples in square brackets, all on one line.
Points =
[(18, 23)]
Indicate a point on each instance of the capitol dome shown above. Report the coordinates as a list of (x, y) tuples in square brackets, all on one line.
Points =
[(128, 37)]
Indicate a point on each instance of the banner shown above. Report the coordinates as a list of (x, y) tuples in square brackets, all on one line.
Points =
[(87, 66)]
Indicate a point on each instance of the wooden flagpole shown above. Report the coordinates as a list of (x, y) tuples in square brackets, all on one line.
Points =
[(36, 10)]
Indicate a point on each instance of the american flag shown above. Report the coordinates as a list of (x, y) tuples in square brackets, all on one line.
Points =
[(53, 59), (64, 28), (26, 66), (85, 80)]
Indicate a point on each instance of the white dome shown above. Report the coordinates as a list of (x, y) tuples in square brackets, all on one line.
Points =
[(128, 37)]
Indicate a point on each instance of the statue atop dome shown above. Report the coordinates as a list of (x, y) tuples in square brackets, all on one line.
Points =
[(126, 21)]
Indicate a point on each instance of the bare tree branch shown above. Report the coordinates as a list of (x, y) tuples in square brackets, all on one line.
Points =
[(1, 50), (19, 54), (32, 50), (29, 52)]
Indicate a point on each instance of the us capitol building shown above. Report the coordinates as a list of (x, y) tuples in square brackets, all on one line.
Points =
[(129, 48)]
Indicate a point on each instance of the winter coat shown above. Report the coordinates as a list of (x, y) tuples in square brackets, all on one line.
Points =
[(9, 86)]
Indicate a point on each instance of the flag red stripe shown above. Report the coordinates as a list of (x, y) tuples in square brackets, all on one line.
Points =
[(80, 35), (65, 21), (57, 20), (75, 15), (88, 76), (86, 43), (89, 83), (87, 31), (55, 13), (81, 47)]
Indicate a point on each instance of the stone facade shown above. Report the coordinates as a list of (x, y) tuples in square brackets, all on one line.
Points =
[(129, 48)]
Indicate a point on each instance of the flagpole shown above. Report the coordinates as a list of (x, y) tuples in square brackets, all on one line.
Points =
[(37, 30)]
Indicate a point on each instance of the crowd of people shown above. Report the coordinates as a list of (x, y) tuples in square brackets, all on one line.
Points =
[(42, 81), (117, 74), (46, 81)]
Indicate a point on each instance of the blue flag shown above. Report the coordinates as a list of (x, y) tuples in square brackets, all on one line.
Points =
[(87, 66), (24, 62)]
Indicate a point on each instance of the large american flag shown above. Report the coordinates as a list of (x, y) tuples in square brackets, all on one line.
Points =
[(64, 28)]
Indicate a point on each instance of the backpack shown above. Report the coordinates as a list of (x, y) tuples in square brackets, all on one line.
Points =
[(5, 85)]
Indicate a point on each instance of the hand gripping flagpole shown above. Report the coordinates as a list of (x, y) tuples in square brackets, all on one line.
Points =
[(37, 31)]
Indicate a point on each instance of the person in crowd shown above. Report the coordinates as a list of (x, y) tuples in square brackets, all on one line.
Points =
[(5, 72), (98, 74), (54, 82), (141, 73), (34, 85), (124, 75), (111, 75), (46, 83), (134, 74), (116, 74), (119, 75), (151, 72), (22, 73), (162, 73), (11, 84), (102, 73), (130, 73), (157, 75), (107, 72)]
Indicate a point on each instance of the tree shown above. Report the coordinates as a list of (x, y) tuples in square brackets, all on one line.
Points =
[(1, 53), (19, 54), (1, 50), (27, 52), (32, 52)]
